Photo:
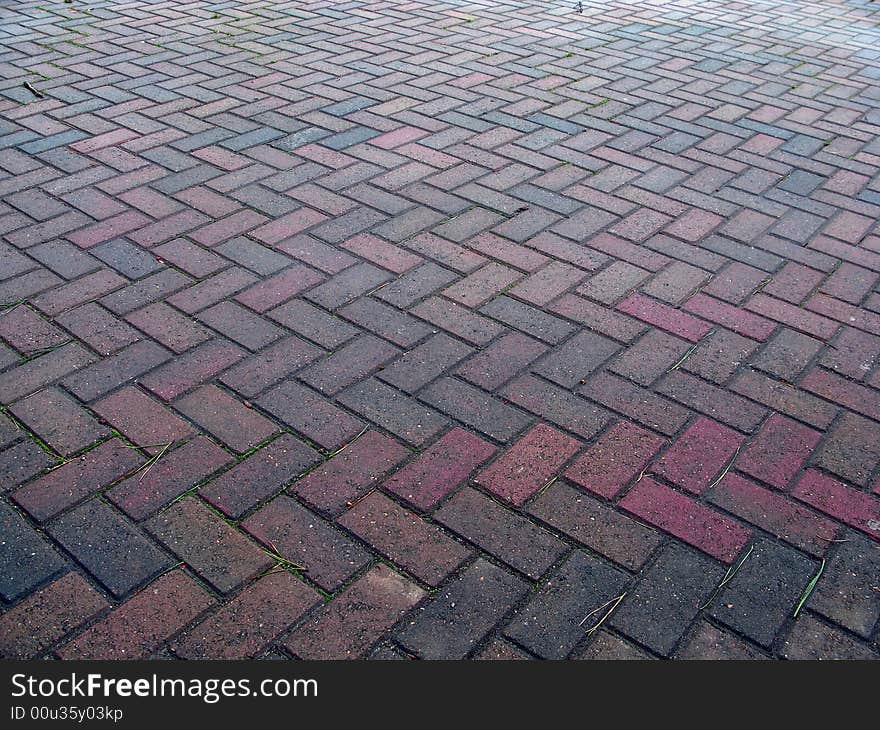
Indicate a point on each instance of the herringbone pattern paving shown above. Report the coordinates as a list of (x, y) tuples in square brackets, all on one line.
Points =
[(461, 329)]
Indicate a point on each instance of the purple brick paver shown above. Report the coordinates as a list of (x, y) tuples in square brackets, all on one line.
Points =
[(417, 329)]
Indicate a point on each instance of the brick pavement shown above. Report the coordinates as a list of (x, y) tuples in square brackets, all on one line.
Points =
[(459, 329)]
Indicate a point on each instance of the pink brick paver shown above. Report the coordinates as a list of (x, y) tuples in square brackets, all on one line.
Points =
[(409, 329)]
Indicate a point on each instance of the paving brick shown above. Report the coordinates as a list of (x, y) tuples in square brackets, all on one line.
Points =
[(714, 402), (165, 229), (19, 288), (124, 366), (778, 452), (386, 651), (137, 628), (311, 415), (142, 420), (665, 317), (547, 284), (85, 289), (605, 321), (424, 363), (145, 291), (8, 356), (454, 622), (77, 479), (512, 254), (698, 456), (799, 319), (675, 283), (787, 354), (351, 473), (212, 290), (775, 514), (98, 328), (260, 476), (382, 253), (613, 282), (845, 592), (617, 457), (591, 523), (191, 369), (28, 332), (736, 283), (240, 325), (171, 329), (496, 364), (500, 650), (638, 403), (45, 617), (221, 415), (440, 469), (849, 283), (793, 283), (652, 356), (109, 547), (22, 461), (694, 225), (610, 647), (59, 421), (529, 247), (406, 539), (313, 324), (848, 227), (457, 320), (764, 592), (314, 253), (552, 623), (250, 622), (178, 471), (661, 606), (405, 417), (9, 431), (528, 319), (851, 450), (572, 362), (129, 260), (690, 521), (347, 285), (354, 361), (34, 374), (835, 388), (853, 353), (277, 289), (227, 228), (502, 533), (850, 506), (353, 622), (710, 642), (810, 639), (556, 405), (326, 555), (784, 398), (416, 284), (27, 559), (528, 465), (733, 318), (482, 285), (258, 372), (486, 414), (213, 549), (395, 326)]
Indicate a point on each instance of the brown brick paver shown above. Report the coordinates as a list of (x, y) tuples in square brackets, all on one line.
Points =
[(427, 329)]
